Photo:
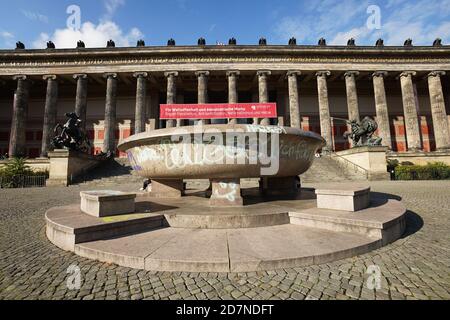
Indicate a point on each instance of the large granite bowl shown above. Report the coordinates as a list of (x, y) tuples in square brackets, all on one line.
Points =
[(182, 153)]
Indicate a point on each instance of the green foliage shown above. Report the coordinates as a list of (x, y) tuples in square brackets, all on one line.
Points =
[(14, 170), (431, 171), (15, 167)]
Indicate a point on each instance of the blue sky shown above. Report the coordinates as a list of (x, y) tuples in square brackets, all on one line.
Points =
[(126, 21)]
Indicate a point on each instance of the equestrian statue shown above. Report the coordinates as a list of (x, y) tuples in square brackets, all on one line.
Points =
[(362, 132), (70, 135)]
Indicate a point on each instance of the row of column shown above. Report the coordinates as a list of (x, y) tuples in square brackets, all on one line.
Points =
[(440, 122), (410, 108)]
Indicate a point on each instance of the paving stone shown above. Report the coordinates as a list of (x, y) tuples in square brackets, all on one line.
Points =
[(416, 267)]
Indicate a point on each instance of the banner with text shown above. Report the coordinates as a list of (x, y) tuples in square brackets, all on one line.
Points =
[(218, 111)]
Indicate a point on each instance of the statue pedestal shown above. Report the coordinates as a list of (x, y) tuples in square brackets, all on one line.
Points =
[(281, 187), (226, 193), (167, 188), (107, 203), (371, 159), (66, 165)]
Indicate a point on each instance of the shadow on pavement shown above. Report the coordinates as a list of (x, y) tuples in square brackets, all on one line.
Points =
[(414, 223)]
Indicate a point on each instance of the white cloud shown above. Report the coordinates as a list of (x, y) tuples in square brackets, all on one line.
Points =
[(92, 35), (357, 33), (7, 38), (6, 35), (111, 7), (41, 41), (320, 19), (35, 16), (421, 20)]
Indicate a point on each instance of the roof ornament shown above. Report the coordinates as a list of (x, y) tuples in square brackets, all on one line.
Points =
[(110, 44), (437, 42), (140, 43), (50, 45), (408, 42), (20, 46), (379, 43), (201, 42), (171, 42), (80, 44), (292, 41), (263, 42), (322, 42), (232, 42), (351, 42)]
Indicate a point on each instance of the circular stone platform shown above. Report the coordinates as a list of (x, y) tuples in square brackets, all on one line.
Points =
[(181, 235)]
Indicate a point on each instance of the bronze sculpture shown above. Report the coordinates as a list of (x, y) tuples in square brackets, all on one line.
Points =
[(80, 44), (362, 133), (70, 135), (232, 42), (322, 42), (380, 43)]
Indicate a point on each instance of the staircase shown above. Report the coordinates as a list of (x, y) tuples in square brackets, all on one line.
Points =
[(114, 172), (330, 168)]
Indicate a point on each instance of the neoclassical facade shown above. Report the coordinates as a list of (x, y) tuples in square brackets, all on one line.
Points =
[(117, 91)]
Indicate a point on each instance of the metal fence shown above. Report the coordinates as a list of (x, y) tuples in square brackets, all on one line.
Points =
[(21, 181)]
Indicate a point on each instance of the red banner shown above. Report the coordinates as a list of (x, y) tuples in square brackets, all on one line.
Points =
[(218, 111)]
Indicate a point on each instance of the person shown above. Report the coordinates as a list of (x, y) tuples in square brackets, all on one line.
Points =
[(147, 183)]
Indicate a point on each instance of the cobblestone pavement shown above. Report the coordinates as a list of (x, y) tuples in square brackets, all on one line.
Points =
[(415, 267)]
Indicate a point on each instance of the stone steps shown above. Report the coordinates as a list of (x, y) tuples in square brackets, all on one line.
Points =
[(327, 169), (120, 172), (235, 250), (188, 235)]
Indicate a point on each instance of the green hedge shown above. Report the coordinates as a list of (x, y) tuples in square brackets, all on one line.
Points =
[(431, 171), (18, 167)]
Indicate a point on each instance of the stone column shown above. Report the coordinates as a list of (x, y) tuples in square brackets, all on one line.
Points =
[(410, 111), (232, 90), (81, 98), (171, 94), (283, 106), (153, 109), (382, 108), (294, 107), (439, 115), (20, 112), (109, 143), (352, 95), (180, 100), (263, 91), (51, 103), (140, 117), (324, 109), (203, 91)]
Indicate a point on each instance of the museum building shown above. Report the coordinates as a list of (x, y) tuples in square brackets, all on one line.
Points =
[(117, 92)]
